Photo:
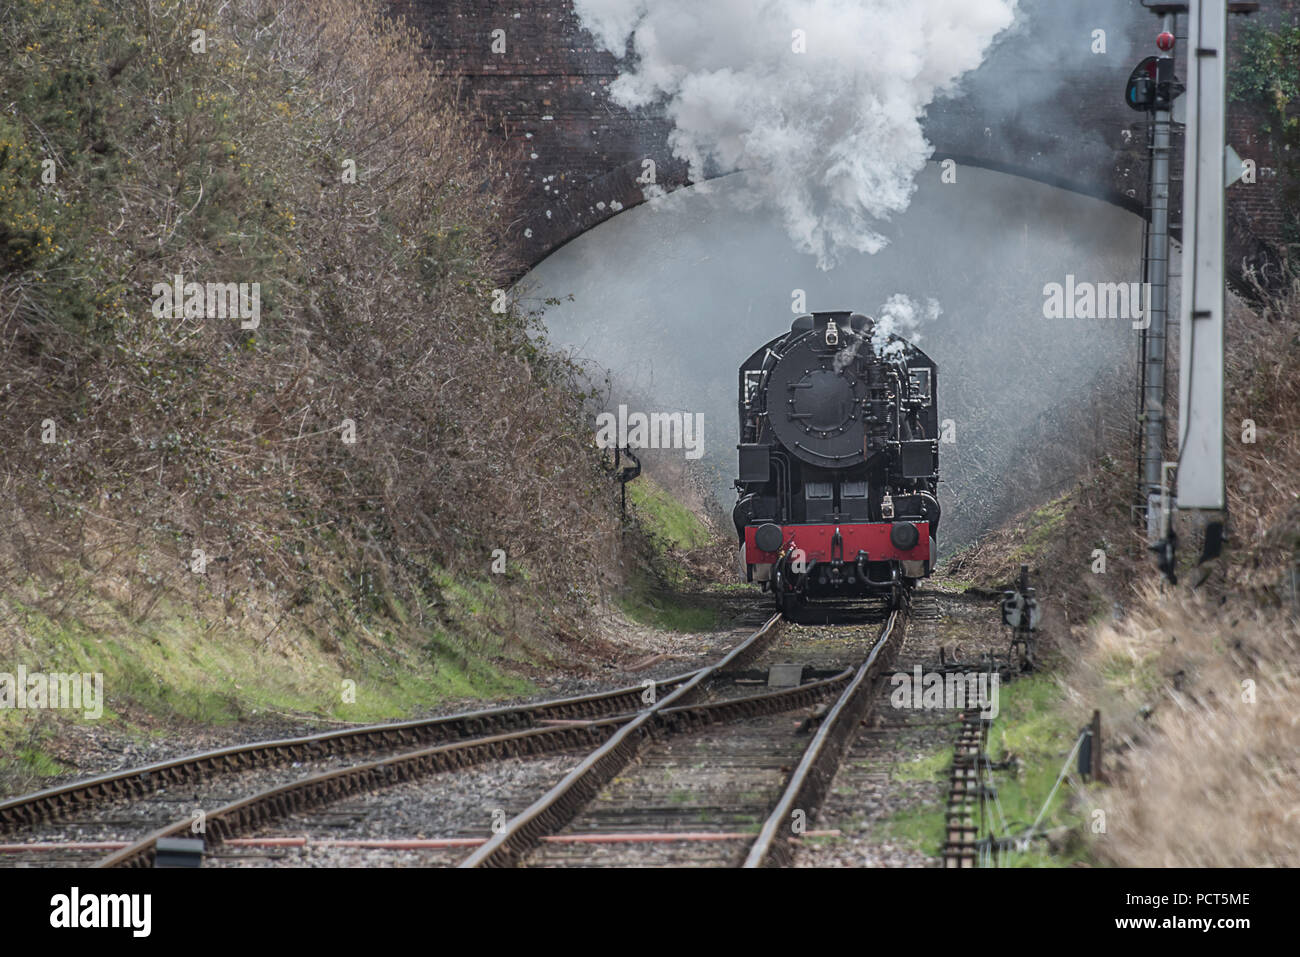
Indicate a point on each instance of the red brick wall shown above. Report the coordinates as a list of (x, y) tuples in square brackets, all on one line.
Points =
[(547, 96), (579, 154), (1256, 211)]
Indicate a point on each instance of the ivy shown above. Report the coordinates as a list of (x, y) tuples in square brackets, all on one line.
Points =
[(1266, 77), (1267, 74)]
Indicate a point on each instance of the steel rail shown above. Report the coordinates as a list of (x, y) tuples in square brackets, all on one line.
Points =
[(811, 778), (549, 813), (51, 803), (238, 817), (250, 812)]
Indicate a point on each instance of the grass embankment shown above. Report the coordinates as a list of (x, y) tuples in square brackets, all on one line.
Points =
[(1196, 682), (655, 592), (231, 515), (173, 667)]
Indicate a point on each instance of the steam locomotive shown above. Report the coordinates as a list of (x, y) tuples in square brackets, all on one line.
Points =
[(839, 463)]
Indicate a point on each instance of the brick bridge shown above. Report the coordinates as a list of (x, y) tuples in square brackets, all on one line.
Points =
[(1058, 116)]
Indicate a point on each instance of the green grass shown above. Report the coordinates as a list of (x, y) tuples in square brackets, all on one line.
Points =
[(930, 767), (37, 762), (658, 608), (1043, 528), (921, 827), (1031, 726), (173, 666), (665, 517), (651, 597)]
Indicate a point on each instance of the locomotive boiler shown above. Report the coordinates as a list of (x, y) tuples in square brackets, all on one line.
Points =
[(838, 463)]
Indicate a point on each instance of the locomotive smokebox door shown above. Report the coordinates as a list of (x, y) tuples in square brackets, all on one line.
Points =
[(755, 465)]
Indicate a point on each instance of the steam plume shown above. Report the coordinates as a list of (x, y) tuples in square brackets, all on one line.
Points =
[(831, 137)]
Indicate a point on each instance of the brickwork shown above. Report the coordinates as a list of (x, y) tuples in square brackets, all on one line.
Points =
[(546, 94), (1256, 212)]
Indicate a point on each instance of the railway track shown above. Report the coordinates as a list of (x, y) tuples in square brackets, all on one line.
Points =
[(53, 803), (542, 728), (965, 799), (699, 801), (706, 773), (74, 824), (324, 802), (811, 778), (720, 776), (705, 701), (887, 800)]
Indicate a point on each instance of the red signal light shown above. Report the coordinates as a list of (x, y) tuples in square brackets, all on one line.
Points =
[(1165, 41)]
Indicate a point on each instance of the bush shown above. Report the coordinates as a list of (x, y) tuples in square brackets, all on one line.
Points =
[(232, 162)]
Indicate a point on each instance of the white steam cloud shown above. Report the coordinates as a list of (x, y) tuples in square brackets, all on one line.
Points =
[(901, 316), (830, 136)]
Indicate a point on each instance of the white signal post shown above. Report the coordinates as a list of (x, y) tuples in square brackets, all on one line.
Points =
[(1200, 483)]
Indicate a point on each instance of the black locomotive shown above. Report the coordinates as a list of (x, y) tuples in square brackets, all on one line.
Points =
[(839, 463)]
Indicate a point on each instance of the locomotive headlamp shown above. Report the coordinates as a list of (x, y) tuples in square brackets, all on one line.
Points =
[(904, 536), (769, 537), (832, 334)]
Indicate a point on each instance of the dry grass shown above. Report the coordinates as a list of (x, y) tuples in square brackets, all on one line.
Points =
[(176, 435), (1263, 477), (1213, 773), (1201, 722), (1199, 775)]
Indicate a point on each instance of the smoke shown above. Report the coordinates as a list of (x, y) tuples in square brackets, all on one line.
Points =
[(820, 101), (712, 282), (901, 316)]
